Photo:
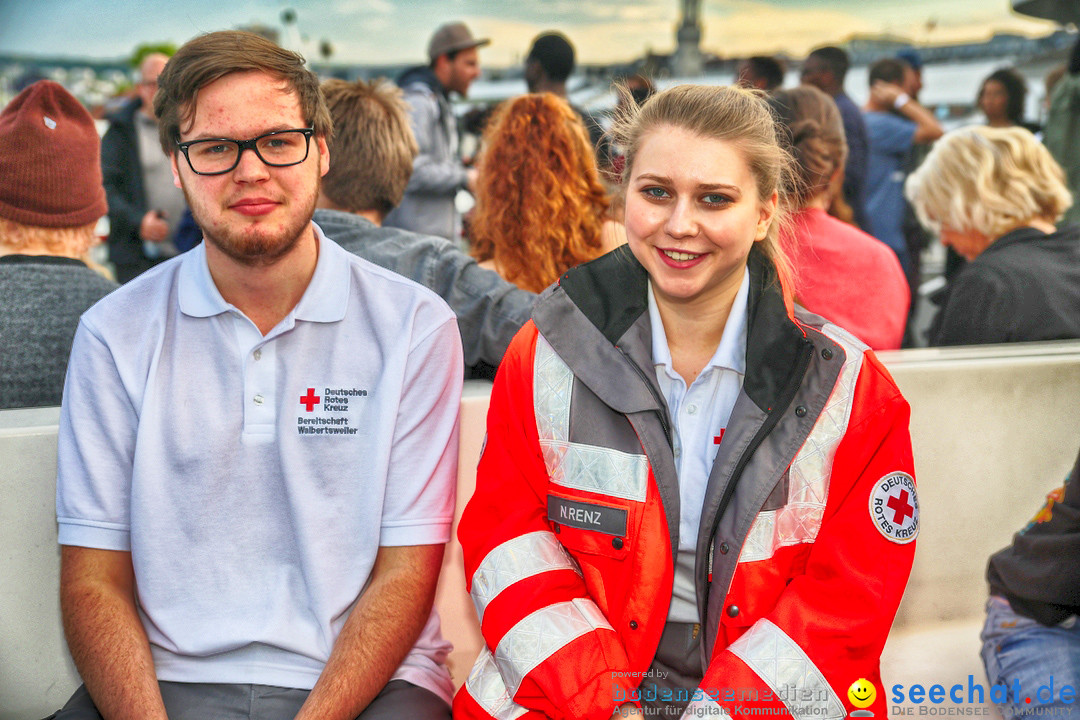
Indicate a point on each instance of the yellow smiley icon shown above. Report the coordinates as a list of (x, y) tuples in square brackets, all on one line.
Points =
[(862, 693)]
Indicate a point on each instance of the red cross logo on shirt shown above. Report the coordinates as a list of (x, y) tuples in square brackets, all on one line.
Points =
[(900, 505), (310, 400)]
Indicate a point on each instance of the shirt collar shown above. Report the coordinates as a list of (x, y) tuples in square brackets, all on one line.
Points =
[(730, 353), (324, 300)]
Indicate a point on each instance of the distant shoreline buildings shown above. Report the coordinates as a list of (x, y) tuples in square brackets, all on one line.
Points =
[(96, 81)]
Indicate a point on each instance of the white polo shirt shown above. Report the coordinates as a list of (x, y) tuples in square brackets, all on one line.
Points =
[(699, 416), (254, 478)]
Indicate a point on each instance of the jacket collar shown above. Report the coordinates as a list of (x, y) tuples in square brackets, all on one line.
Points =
[(340, 219), (125, 113), (1027, 234), (422, 75), (596, 318)]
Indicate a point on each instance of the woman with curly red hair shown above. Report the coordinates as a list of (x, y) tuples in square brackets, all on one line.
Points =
[(540, 205)]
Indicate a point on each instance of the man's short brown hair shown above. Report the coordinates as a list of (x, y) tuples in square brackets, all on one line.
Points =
[(373, 148), (210, 57), (890, 70)]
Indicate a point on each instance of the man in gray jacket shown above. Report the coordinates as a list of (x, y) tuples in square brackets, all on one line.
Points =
[(373, 151), (438, 173)]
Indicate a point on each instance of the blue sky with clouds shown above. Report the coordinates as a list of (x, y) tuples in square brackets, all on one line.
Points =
[(396, 31)]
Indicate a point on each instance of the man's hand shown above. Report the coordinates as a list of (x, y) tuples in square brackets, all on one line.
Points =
[(153, 227), (104, 633), (472, 175), (885, 93), (379, 633), (927, 127)]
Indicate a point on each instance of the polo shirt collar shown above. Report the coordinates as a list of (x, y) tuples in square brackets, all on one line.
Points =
[(730, 353), (324, 300)]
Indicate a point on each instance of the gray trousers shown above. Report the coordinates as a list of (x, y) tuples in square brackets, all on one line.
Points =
[(205, 701), (675, 672)]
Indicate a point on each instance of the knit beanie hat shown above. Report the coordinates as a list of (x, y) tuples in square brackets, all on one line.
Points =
[(50, 160)]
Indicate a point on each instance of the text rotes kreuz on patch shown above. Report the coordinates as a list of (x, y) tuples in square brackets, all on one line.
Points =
[(894, 507), (328, 410)]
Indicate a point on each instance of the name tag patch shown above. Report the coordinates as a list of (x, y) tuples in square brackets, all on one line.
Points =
[(328, 411), (586, 516)]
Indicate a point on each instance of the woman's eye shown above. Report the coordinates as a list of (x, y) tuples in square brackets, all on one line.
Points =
[(655, 192), (715, 199)]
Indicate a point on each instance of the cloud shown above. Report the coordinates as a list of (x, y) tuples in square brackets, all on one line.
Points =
[(350, 7), (742, 27), (397, 31)]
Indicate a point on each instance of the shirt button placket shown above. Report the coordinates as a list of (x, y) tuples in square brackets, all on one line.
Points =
[(261, 385)]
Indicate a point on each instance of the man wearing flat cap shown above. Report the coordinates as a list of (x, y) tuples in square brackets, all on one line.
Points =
[(438, 173)]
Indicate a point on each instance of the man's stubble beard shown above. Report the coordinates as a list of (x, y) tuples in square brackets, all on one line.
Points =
[(259, 251)]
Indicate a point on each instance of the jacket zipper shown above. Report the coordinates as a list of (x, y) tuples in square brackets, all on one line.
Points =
[(661, 404), (770, 422)]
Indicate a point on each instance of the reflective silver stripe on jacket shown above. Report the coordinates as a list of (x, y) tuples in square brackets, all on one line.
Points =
[(573, 465), (782, 664), (522, 557), (541, 634), (799, 520), (487, 688), (704, 708)]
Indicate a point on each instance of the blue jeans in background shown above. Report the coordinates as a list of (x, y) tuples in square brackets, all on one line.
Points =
[(1044, 660)]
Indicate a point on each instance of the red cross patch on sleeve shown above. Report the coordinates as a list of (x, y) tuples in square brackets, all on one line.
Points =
[(894, 507)]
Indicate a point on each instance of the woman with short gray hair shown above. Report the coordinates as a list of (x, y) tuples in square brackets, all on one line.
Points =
[(994, 195)]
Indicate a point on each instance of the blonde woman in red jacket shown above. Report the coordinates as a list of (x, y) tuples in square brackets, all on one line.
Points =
[(692, 499)]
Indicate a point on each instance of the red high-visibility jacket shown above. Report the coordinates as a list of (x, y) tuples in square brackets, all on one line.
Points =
[(570, 537)]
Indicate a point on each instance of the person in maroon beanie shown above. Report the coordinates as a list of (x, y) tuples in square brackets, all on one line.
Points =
[(51, 197)]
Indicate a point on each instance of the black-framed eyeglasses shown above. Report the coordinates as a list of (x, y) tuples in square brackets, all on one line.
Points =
[(216, 156)]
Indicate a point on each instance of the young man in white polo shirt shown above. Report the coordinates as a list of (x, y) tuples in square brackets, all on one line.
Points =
[(258, 439)]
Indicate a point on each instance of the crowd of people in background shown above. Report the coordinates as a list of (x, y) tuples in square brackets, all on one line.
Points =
[(545, 183), (572, 258), (545, 180)]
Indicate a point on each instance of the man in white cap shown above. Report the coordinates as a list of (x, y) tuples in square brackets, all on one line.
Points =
[(438, 173)]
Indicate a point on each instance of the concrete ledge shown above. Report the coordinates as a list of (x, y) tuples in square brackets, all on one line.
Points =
[(994, 429), (36, 672), (943, 653)]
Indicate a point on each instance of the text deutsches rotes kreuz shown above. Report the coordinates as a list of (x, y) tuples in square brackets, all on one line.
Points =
[(328, 411)]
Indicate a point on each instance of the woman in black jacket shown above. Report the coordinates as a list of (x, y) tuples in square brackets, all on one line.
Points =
[(994, 196)]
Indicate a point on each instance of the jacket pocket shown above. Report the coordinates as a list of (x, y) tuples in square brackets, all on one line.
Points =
[(589, 526)]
